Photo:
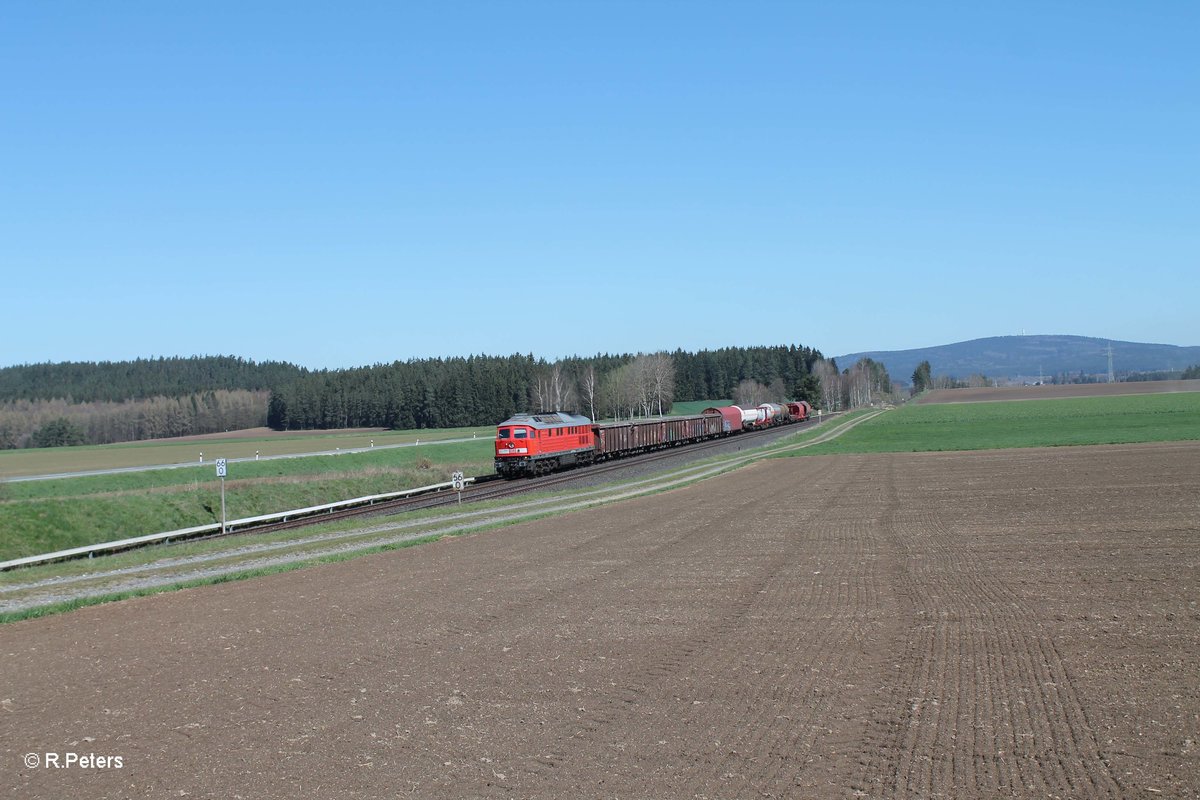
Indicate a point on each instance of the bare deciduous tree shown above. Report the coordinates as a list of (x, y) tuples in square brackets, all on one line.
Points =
[(553, 392), (831, 384), (660, 371), (749, 393), (588, 388)]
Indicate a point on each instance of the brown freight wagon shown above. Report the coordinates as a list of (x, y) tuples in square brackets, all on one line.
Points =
[(624, 438)]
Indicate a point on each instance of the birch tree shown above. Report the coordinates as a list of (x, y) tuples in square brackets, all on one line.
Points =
[(588, 387), (660, 376)]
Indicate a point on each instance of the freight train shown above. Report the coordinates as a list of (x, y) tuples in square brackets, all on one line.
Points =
[(535, 444)]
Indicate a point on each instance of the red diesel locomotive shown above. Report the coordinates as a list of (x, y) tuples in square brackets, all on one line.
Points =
[(533, 444)]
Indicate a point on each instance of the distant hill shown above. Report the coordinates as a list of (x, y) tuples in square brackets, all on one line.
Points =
[(1027, 357)]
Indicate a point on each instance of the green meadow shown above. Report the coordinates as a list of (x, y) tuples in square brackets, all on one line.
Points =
[(1025, 423), (43, 516), (241, 444), (692, 407)]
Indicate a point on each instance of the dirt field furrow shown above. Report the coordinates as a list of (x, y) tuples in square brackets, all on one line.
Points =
[(982, 641), (966, 625)]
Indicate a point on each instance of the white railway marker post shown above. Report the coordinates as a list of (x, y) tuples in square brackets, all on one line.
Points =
[(222, 470)]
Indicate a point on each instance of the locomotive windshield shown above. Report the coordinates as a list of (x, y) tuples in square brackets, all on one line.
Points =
[(502, 433), (520, 433)]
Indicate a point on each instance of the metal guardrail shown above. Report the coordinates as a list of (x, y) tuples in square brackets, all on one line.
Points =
[(203, 530)]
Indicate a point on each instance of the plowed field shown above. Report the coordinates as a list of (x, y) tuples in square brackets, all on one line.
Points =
[(970, 625)]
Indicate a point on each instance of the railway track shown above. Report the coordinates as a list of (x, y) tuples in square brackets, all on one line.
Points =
[(481, 488), (255, 553), (492, 487)]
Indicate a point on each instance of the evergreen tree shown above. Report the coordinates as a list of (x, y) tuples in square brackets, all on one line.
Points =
[(59, 432), (922, 377)]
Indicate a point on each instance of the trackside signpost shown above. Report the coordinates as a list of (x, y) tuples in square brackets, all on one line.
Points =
[(222, 471), (458, 481)]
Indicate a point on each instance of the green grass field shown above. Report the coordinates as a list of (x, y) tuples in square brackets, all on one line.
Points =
[(43, 516), (1029, 423), (696, 406), (54, 460)]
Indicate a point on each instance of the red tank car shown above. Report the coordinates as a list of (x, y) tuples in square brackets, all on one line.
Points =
[(533, 444)]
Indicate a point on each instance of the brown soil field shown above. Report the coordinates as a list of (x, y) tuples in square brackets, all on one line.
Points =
[(1048, 391), (1017, 623)]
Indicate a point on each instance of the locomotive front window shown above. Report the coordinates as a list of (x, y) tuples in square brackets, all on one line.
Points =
[(519, 433), (502, 434)]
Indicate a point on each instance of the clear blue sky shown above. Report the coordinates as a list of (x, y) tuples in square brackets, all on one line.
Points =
[(345, 184)]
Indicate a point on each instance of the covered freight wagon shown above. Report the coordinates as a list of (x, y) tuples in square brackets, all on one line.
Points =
[(800, 410), (732, 416)]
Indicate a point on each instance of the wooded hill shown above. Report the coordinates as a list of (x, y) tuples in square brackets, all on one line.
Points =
[(1060, 358)]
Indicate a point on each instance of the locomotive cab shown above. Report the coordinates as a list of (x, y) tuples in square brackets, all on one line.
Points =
[(513, 440)]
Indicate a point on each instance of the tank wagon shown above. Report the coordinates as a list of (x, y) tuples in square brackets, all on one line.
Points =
[(772, 414), (536, 444)]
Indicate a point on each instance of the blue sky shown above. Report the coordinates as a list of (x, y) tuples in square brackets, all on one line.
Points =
[(346, 184)]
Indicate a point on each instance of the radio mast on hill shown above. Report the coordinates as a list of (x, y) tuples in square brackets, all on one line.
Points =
[(1111, 378)]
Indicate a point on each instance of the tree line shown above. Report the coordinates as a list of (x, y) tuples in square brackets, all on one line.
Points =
[(419, 393), (141, 379), (923, 378), (865, 383), (482, 390), (58, 422)]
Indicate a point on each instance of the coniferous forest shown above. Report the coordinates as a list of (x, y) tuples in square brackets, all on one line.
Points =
[(99, 403)]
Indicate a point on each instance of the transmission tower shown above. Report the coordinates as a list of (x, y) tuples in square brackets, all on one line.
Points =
[(1111, 377)]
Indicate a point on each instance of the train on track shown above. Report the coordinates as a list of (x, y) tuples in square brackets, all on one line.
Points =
[(536, 444)]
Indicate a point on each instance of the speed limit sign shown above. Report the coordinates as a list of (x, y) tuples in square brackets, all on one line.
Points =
[(457, 480), (221, 469)]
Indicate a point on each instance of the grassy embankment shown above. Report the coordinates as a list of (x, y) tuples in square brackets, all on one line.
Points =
[(43, 516), (1029, 423)]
